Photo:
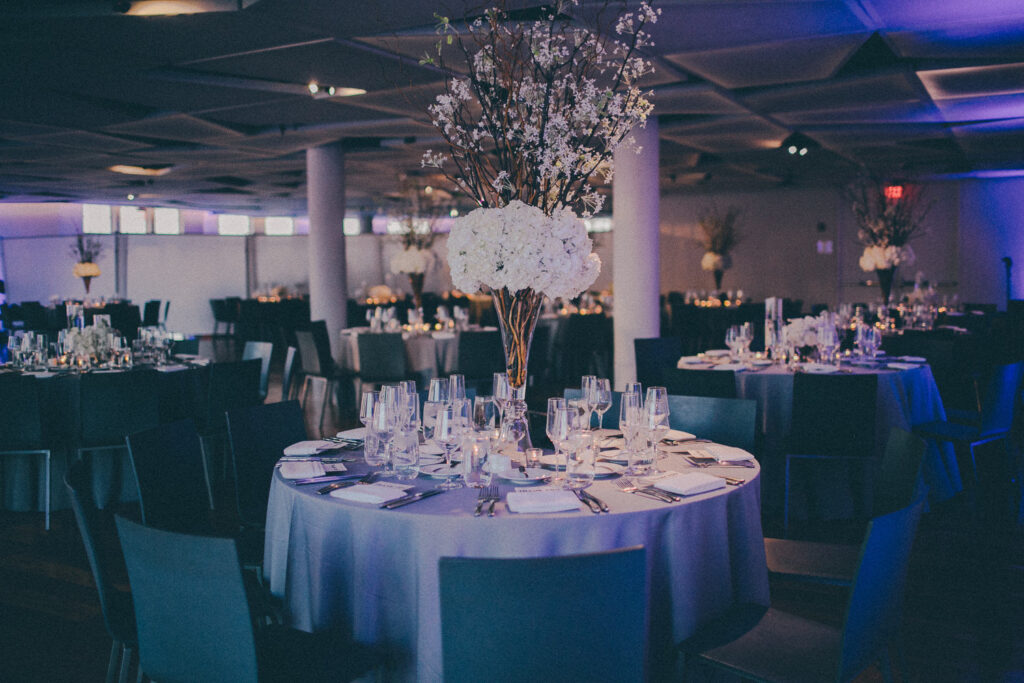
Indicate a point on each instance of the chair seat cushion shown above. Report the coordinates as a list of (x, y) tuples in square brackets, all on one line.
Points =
[(287, 654), (768, 644), (830, 563), (947, 431)]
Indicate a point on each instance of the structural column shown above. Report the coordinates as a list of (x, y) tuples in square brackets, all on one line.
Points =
[(636, 270), (325, 194)]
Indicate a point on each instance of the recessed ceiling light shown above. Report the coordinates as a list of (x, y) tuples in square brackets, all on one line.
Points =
[(131, 197), (171, 7), (129, 169)]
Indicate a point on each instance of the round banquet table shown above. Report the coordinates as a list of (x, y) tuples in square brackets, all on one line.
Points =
[(374, 572)]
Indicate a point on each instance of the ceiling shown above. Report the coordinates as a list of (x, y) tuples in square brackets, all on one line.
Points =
[(918, 87)]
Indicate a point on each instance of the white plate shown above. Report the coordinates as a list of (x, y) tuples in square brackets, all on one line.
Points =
[(607, 470), (441, 471), (691, 360), (537, 476), (761, 362), (717, 353)]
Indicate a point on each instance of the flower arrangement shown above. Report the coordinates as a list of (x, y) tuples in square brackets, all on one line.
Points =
[(800, 332), (86, 251), (89, 341), (719, 237), (517, 247), (888, 216), (411, 261)]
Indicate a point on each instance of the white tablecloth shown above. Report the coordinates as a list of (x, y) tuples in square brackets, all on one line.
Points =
[(374, 572)]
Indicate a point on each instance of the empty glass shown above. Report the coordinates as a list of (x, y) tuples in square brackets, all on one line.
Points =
[(586, 385), (600, 399), (476, 471), (439, 390), (405, 453), (367, 402), (580, 461), (500, 392), (457, 389), (485, 414), (447, 433)]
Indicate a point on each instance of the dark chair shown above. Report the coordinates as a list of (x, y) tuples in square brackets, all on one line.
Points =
[(991, 423), (21, 427), (897, 485), (232, 385), (557, 593), (730, 421), (151, 313), (258, 436), (291, 358), (833, 419), (195, 622), (480, 355), (263, 351), (174, 484), (222, 315), (107, 563), (112, 406), (167, 310), (318, 366), (654, 357), (381, 358), (766, 644), (188, 347), (710, 383)]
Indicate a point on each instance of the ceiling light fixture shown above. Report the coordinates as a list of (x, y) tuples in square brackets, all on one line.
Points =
[(129, 169), (172, 7), (322, 91), (798, 145)]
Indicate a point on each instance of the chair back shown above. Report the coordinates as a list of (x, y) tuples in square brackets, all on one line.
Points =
[(309, 357), (187, 346), (193, 618), (263, 351), (104, 552), (876, 599), (113, 405), (169, 469), (288, 375), (899, 481), (20, 424), (381, 357), (322, 341), (151, 313), (232, 385), (999, 399), (729, 421), (167, 310), (710, 383), (480, 354), (557, 592), (654, 357), (258, 436), (833, 415)]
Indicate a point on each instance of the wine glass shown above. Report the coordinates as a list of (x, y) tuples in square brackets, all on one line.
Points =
[(439, 390), (746, 338), (602, 398), (457, 390), (501, 392), (367, 402), (559, 429), (630, 413), (656, 415), (828, 341), (484, 414), (734, 341), (586, 385), (447, 434)]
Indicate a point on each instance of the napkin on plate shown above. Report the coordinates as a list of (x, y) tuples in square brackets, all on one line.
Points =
[(678, 434), (736, 367), (690, 483), (378, 493), (819, 368), (690, 360), (309, 447), (903, 366), (542, 500), (171, 368), (912, 359), (301, 470), (357, 433), (723, 453)]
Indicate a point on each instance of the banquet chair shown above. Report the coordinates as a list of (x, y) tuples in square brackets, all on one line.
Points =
[(106, 560), (729, 421), (709, 383), (21, 428), (897, 485), (167, 310), (480, 355), (263, 351), (654, 357), (195, 622), (381, 358), (288, 374), (151, 313), (258, 436), (766, 644), (231, 385), (833, 420), (188, 346), (222, 316), (556, 592), (111, 406), (318, 367), (172, 475)]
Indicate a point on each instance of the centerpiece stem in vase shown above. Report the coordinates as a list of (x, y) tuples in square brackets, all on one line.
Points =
[(518, 314), (885, 280), (416, 281)]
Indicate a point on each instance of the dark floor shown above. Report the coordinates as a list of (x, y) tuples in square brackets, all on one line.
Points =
[(964, 614)]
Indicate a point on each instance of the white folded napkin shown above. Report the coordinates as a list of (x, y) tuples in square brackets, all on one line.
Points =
[(171, 368), (819, 368), (678, 434), (309, 447), (542, 500), (378, 493), (913, 359), (357, 433), (690, 360), (736, 367), (717, 353), (903, 366), (723, 453), (690, 483), (301, 470)]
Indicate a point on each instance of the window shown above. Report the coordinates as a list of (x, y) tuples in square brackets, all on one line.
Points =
[(598, 224), (166, 221), (132, 220), (352, 226), (96, 219), (232, 224), (279, 225)]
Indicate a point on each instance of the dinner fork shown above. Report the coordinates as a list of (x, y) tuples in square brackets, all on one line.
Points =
[(480, 500), (628, 486)]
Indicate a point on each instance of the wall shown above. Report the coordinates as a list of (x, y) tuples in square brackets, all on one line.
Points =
[(992, 227)]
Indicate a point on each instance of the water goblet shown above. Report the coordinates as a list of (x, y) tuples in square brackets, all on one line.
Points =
[(586, 387), (500, 390), (458, 387), (367, 402), (447, 434), (601, 399), (484, 414), (439, 390)]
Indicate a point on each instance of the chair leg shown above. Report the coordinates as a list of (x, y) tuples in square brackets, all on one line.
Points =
[(323, 406), (206, 473), (126, 664), (46, 495), (115, 656), (785, 503)]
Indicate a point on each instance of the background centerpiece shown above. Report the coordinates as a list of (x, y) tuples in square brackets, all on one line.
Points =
[(86, 252), (888, 216), (719, 237), (416, 256), (532, 113)]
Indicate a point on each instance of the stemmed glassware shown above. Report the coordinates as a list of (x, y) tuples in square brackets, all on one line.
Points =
[(447, 433), (656, 415), (586, 385), (457, 389), (600, 399), (367, 402), (555, 403), (437, 398), (827, 340), (484, 414), (560, 422), (501, 392)]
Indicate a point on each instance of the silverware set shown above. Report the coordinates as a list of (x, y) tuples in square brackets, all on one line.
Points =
[(487, 495), (596, 505), (630, 486), (365, 479)]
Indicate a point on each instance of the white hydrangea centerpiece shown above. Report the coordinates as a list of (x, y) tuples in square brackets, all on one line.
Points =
[(878, 257), (411, 261)]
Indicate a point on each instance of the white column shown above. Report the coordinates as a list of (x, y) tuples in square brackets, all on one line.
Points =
[(325, 194), (637, 277)]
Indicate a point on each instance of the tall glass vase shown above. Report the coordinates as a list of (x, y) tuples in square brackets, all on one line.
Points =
[(518, 314), (416, 282), (885, 280)]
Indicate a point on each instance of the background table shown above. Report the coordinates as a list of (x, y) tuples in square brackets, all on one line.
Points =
[(374, 572), (428, 355)]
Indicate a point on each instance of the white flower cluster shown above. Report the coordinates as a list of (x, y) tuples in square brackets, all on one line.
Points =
[(876, 257), (800, 332), (713, 261), (518, 247), (411, 261), (90, 341)]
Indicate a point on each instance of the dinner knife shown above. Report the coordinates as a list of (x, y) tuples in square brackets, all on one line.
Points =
[(600, 503), (412, 498), (324, 479), (593, 507)]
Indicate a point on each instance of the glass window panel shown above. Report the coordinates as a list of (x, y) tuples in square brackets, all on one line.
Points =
[(132, 220), (279, 225), (232, 224), (96, 219), (166, 221)]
